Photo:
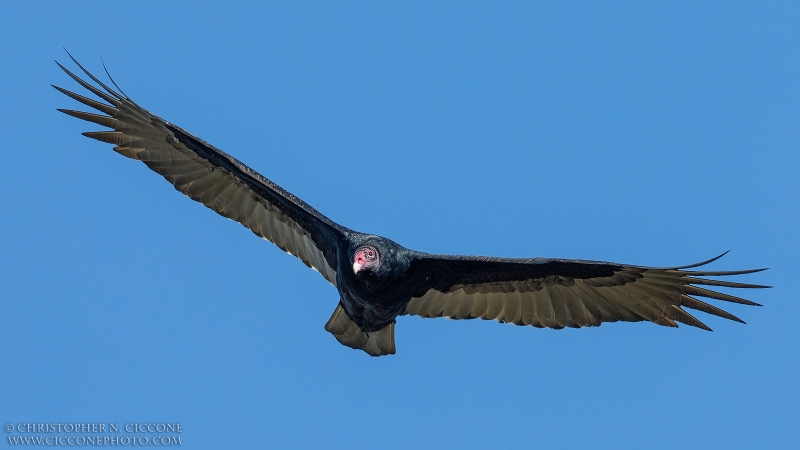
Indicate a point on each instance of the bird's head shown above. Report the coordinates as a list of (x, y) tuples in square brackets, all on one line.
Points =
[(376, 260), (366, 258)]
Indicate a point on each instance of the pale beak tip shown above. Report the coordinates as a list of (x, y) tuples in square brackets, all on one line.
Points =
[(356, 267)]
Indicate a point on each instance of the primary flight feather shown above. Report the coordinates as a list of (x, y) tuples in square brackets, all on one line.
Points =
[(378, 279)]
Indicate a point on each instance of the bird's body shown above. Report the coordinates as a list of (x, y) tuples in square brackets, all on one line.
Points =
[(378, 279), (374, 299)]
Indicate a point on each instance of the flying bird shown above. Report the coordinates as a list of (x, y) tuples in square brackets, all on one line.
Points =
[(378, 279)]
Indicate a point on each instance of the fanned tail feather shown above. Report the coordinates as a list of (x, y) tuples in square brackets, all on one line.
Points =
[(375, 343)]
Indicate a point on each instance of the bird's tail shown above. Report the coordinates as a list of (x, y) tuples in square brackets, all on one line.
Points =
[(375, 343)]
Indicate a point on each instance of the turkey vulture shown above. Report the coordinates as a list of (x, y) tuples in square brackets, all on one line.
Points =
[(378, 279)]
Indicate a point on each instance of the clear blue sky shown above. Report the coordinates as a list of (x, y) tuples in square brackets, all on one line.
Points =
[(658, 134)]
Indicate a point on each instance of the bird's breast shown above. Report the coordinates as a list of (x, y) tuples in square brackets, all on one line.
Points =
[(372, 308)]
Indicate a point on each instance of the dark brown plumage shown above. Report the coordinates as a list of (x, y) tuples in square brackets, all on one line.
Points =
[(378, 279)]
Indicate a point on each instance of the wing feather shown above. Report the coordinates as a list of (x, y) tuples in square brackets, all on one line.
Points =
[(102, 107), (494, 309), (544, 308), (559, 308), (691, 302), (511, 311), (527, 310), (480, 306)]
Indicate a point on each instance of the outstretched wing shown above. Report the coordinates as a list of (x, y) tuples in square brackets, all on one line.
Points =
[(212, 177), (558, 293)]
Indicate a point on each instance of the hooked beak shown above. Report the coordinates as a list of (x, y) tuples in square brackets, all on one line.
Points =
[(356, 267)]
